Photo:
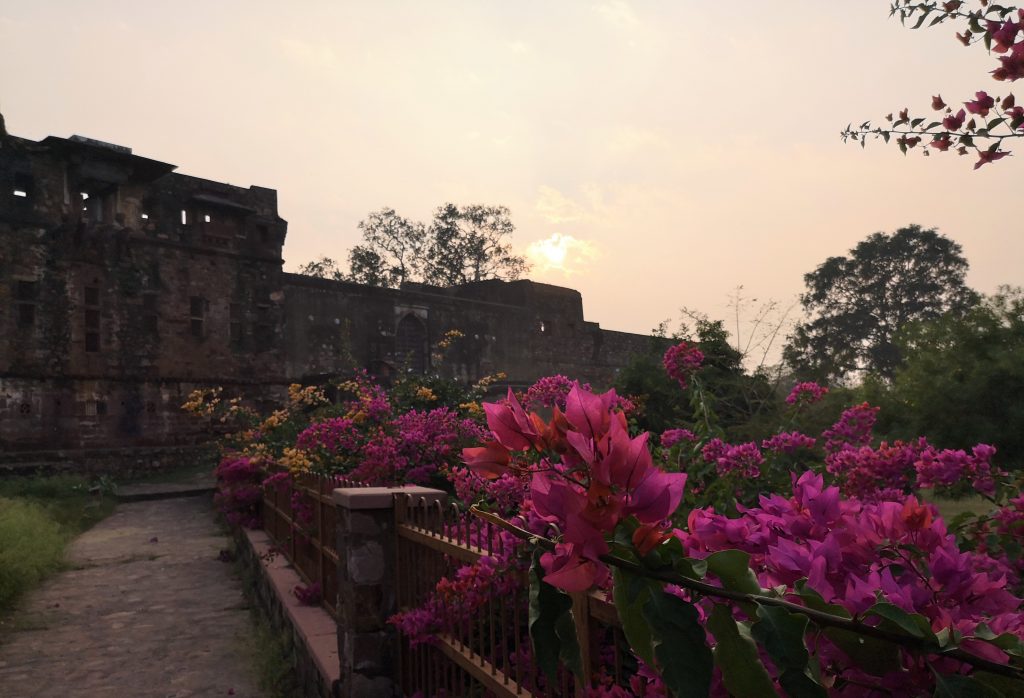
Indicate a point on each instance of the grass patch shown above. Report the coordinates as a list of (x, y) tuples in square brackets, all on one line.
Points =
[(38, 518)]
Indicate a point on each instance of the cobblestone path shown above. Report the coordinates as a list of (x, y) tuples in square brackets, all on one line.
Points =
[(147, 610)]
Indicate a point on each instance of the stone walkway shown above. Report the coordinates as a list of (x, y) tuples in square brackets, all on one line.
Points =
[(147, 610)]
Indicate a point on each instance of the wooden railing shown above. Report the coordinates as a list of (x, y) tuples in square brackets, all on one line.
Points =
[(488, 649), (300, 517)]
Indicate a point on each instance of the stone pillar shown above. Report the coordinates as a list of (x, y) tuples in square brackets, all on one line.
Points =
[(366, 544)]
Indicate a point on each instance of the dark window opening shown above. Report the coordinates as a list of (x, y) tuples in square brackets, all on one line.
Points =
[(92, 318), (411, 344), (26, 315), (22, 186), (150, 408), (25, 408), (264, 233), (236, 324), (150, 322), (25, 308), (197, 308), (101, 407)]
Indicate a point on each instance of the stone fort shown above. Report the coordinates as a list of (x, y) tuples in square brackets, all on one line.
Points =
[(125, 285)]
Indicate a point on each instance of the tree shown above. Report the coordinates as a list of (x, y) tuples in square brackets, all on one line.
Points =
[(962, 380), (470, 244), (323, 268), (859, 303), (988, 120), (391, 253)]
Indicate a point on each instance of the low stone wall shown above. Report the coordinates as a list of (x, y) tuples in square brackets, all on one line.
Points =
[(313, 633), (120, 462)]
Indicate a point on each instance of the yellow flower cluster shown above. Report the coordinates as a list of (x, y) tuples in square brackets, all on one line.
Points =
[(257, 451), (296, 460), (274, 420), (425, 393), (203, 401), (488, 381), (310, 396), (472, 408), (449, 337)]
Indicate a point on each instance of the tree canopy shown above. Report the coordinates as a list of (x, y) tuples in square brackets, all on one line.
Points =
[(962, 380), (461, 245), (857, 304)]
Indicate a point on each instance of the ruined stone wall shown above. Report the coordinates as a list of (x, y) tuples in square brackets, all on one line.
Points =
[(111, 312), (124, 286)]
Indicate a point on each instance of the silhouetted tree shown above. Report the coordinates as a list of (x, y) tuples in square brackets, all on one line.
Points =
[(471, 244), (859, 303)]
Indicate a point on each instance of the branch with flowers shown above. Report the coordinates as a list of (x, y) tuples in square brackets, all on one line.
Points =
[(984, 124), (815, 592)]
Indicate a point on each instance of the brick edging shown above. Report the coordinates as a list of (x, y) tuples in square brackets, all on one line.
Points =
[(313, 631)]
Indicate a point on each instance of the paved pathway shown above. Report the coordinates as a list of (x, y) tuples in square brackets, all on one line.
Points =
[(148, 610)]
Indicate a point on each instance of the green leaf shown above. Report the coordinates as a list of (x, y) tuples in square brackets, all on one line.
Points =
[(631, 594), (913, 624), (681, 648), (993, 123), (732, 567), (874, 656), (548, 607), (781, 633), (737, 657), (956, 686), (1004, 685), (569, 644)]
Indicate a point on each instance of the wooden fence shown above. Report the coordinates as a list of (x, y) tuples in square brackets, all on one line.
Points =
[(301, 518), (489, 650)]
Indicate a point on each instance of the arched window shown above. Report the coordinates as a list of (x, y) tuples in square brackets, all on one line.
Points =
[(411, 344)]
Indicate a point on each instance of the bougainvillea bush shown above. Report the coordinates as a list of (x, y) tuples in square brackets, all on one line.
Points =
[(802, 565)]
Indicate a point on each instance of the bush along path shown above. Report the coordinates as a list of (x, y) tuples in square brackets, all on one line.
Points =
[(147, 609)]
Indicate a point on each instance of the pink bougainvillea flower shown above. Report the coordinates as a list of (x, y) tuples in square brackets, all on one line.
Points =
[(490, 461), (941, 142), (937, 103), (953, 123), (981, 104), (988, 156), (571, 572), (511, 426)]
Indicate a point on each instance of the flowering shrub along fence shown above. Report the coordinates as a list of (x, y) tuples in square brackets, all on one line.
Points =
[(802, 565)]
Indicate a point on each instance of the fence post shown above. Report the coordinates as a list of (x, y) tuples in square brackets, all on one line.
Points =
[(366, 543)]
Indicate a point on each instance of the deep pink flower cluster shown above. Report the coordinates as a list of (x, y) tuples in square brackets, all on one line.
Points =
[(430, 439), (549, 391), (601, 476), (853, 428), (670, 437), (310, 595), (873, 474), (744, 460), (806, 393), (1005, 42), (850, 551), (788, 442), (458, 599), (940, 469), (337, 435), (682, 361), (506, 493), (239, 490)]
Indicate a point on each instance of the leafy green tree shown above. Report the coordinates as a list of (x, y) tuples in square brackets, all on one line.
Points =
[(857, 304), (323, 268), (962, 381), (391, 253), (470, 243)]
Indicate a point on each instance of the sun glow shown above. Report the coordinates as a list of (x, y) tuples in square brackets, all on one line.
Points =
[(562, 253)]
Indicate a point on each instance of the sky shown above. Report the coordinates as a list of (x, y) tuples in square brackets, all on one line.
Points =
[(654, 155)]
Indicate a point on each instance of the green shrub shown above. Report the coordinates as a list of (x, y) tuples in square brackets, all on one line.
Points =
[(31, 547)]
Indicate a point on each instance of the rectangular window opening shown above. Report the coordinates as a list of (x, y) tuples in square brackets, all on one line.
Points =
[(145, 216), (197, 308), (184, 217), (206, 218), (21, 193)]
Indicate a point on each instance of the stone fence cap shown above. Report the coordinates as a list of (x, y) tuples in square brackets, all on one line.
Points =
[(383, 497)]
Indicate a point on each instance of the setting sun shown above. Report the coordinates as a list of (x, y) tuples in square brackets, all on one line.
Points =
[(563, 253)]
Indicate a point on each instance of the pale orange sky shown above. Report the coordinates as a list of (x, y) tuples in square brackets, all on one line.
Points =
[(681, 148)]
